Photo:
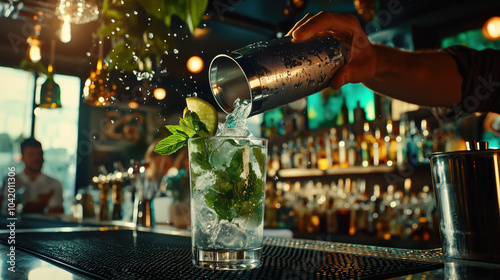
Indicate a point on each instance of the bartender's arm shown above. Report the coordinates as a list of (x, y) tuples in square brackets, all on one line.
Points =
[(427, 78)]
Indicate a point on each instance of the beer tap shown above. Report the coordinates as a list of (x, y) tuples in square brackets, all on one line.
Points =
[(117, 186), (104, 186)]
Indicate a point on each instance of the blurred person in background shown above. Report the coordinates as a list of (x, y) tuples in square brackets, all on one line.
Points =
[(35, 191)]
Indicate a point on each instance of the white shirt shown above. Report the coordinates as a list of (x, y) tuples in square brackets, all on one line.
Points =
[(32, 189)]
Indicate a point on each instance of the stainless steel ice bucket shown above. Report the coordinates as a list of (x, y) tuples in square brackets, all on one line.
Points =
[(275, 73), (467, 188)]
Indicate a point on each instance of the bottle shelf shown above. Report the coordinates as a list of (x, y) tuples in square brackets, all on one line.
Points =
[(297, 172)]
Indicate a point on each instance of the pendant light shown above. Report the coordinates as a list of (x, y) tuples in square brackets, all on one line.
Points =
[(98, 89), (77, 12), (50, 93)]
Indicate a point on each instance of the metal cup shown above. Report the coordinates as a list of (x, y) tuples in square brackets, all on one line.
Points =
[(467, 187), (275, 73)]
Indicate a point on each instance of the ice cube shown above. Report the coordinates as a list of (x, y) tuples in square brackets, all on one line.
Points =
[(223, 154), (206, 179), (231, 236), (205, 228)]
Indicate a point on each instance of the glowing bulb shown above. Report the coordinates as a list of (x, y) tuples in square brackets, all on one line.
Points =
[(491, 29), (66, 29), (159, 93), (100, 99), (35, 54), (195, 64), (133, 104)]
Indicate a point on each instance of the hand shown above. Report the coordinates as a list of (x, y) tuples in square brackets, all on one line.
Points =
[(362, 60)]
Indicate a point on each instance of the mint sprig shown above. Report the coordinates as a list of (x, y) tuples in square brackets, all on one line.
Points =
[(233, 196), (189, 127)]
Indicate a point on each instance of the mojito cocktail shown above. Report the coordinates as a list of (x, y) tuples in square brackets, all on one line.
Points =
[(227, 201)]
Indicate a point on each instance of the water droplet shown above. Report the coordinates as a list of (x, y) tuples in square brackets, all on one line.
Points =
[(136, 13), (127, 14), (176, 51)]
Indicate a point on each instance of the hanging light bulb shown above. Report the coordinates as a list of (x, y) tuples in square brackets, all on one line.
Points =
[(66, 29), (491, 29), (195, 64), (159, 93), (34, 51), (77, 12), (50, 92)]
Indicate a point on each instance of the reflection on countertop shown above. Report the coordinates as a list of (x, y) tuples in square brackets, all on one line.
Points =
[(31, 267)]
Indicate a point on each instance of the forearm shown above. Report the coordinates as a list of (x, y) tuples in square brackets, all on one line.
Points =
[(423, 78)]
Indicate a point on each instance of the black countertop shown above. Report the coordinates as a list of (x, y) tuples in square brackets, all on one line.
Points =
[(71, 250)]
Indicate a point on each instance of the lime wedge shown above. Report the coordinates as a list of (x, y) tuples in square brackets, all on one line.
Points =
[(205, 111)]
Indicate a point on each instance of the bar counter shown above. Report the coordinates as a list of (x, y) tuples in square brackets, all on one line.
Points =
[(66, 249)]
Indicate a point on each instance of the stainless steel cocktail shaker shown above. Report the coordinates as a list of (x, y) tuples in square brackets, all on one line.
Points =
[(467, 188), (275, 73)]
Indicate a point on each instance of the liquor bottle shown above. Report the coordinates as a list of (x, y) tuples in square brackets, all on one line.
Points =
[(298, 154), (428, 143), (328, 149), (343, 162), (271, 216), (379, 149), (334, 147), (367, 142), (321, 154), (353, 150), (285, 156), (343, 207), (415, 144), (274, 161), (401, 144), (363, 209), (311, 153), (397, 216), (385, 214), (279, 207), (390, 144), (331, 215), (291, 152), (343, 117)]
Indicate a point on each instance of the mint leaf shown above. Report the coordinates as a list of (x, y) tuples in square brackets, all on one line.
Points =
[(192, 121), (181, 129), (189, 127), (261, 159), (236, 166), (171, 144)]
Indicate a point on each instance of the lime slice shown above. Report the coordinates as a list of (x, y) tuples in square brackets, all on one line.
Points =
[(205, 111)]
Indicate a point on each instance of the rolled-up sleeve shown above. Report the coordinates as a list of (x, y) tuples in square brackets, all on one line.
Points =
[(480, 72)]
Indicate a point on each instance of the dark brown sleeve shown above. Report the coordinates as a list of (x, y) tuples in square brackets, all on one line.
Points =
[(480, 71)]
